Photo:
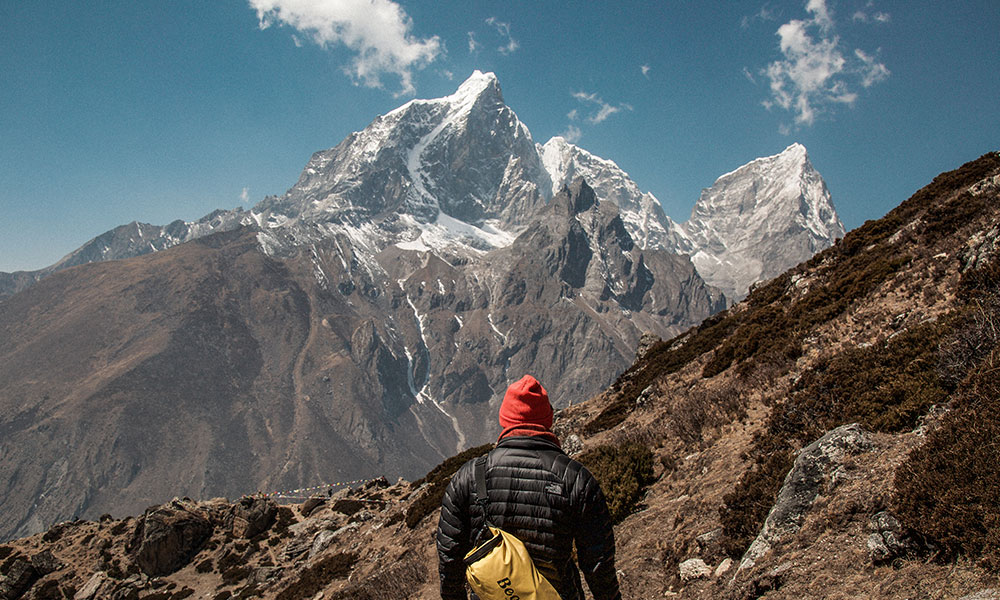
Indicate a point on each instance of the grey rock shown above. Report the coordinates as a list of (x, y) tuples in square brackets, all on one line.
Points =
[(311, 505), (96, 587), (804, 483), (980, 249), (166, 537), (723, 568), (18, 577), (888, 539), (296, 548), (362, 516), (252, 515), (572, 444), (322, 540), (44, 562), (694, 568), (645, 343), (265, 574), (984, 594)]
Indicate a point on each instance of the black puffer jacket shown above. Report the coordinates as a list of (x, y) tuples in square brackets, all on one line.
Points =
[(548, 501)]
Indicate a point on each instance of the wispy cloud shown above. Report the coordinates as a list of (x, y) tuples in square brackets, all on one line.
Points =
[(869, 15), (601, 109), (474, 46), (764, 14), (645, 71), (814, 73), (503, 29), (378, 31), (572, 134), (245, 195)]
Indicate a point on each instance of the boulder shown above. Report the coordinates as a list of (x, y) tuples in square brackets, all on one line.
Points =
[(888, 540), (167, 537), (17, 577), (45, 563), (813, 469), (96, 587), (723, 567), (347, 506), (694, 568), (378, 483), (645, 343), (310, 505), (252, 516)]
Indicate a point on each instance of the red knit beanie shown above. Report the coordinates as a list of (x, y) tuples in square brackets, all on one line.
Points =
[(526, 403)]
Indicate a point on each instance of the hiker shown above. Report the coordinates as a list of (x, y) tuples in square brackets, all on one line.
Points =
[(538, 494)]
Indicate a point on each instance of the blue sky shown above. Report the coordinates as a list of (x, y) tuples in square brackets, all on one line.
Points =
[(126, 110)]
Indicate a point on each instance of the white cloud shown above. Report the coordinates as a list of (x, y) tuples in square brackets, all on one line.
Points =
[(572, 115), (245, 195), (645, 71), (872, 72), (764, 14), (473, 44), (378, 31), (510, 44), (813, 72), (821, 14), (863, 16), (603, 109), (572, 134)]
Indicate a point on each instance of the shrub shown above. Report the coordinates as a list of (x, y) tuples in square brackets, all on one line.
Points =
[(624, 472), (949, 488), (438, 479), (745, 508), (318, 576), (661, 359)]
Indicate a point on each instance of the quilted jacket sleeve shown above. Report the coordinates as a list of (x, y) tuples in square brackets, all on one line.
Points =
[(595, 540), (454, 536)]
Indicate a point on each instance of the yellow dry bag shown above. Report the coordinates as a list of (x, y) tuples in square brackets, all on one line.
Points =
[(501, 568)]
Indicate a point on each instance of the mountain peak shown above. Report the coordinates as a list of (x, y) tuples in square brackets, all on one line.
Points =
[(478, 84)]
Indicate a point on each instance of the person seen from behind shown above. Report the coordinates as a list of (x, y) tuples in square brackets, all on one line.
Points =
[(537, 493)]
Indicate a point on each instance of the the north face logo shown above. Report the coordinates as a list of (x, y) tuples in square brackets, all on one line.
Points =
[(554, 488)]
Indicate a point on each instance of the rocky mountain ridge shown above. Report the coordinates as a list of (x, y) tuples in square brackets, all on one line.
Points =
[(461, 174), (840, 455)]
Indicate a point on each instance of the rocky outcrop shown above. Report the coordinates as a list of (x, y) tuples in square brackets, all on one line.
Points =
[(16, 577), (808, 478), (252, 516), (888, 540), (166, 537)]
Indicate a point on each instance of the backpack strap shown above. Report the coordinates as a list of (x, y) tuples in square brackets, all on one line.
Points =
[(482, 496)]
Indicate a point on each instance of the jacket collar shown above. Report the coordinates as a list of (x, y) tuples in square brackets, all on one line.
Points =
[(528, 442)]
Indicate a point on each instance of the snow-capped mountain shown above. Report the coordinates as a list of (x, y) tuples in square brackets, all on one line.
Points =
[(461, 175), (759, 220), (641, 211)]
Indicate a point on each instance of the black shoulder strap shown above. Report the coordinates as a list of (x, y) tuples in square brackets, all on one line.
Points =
[(482, 496)]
